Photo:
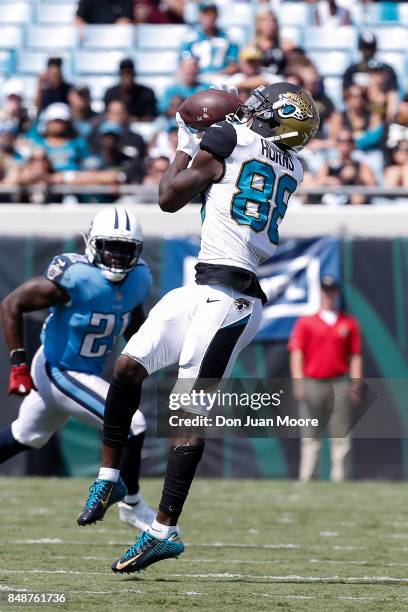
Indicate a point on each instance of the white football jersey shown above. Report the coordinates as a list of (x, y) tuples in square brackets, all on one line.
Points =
[(242, 212)]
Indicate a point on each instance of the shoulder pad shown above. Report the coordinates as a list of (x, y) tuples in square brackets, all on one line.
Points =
[(61, 263), (219, 139)]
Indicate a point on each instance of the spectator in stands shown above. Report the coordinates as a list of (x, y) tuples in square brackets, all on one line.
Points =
[(139, 100), (51, 85), (164, 144), (344, 169), (380, 99), (367, 126), (297, 61), (9, 155), (13, 111), (58, 138), (211, 45), (329, 118), (329, 14), (159, 11), (251, 73), (155, 170), (396, 175), (79, 100), (268, 40), (397, 130), (373, 75), (111, 167), (316, 155), (132, 144), (170, 113), (36, 172), (104, 11), (186, 85), (111, 155)]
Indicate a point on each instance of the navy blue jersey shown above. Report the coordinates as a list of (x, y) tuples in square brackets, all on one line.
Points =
[(80, 335)]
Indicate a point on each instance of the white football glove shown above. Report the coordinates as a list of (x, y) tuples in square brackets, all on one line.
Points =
[(187, 141), (224, 87)]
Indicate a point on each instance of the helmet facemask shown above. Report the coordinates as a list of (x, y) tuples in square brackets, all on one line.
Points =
[(114, 256)]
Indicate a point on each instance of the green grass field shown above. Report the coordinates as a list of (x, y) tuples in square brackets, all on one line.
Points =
[(250, 545)]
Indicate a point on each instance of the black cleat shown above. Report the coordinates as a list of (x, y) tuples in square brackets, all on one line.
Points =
[(102, 495)]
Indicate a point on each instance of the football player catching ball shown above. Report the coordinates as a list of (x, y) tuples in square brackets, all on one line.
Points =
[(246, 168)]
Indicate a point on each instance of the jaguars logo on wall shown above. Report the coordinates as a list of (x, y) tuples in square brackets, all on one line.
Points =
[(295, 106)]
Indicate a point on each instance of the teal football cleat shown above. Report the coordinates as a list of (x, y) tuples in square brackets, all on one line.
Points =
[(148, 550), (102, 495)]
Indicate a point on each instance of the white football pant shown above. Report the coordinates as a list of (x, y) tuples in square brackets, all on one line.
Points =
[(203, 328), (62, 394)]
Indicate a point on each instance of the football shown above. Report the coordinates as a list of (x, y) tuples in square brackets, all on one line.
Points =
[(207, 107)]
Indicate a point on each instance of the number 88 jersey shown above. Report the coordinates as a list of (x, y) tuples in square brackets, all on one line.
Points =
[(80, 334), (241, 212)]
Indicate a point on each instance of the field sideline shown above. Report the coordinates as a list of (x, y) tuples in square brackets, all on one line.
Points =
[(250, 545)]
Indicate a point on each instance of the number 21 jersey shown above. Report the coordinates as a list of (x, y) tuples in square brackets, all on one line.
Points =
[(241, 212), (80, 334)]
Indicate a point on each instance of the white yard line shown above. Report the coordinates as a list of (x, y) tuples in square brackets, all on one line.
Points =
[(233, 545), (59, 571), (55, 541), (294, 578), (272, 578), (40, 541), (187, 560), (109, 592)]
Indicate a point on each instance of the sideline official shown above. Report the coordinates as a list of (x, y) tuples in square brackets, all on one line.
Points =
[(325, 362)]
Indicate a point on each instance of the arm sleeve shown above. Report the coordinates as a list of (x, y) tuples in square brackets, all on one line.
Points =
[(220, 139), (355, 339), (297, 337)]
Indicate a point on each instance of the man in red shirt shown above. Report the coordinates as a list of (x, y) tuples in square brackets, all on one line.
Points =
[(325, 362)]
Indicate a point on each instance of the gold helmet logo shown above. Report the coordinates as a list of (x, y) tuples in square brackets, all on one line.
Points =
[(293, 105)]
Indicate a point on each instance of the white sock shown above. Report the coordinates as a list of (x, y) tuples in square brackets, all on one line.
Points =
[(162, 532), (108, 474), (133, 499)]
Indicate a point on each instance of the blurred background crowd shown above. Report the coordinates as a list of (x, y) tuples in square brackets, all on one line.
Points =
[(89, 90)]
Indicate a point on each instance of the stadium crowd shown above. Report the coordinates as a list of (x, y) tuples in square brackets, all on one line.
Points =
[(65, 139)]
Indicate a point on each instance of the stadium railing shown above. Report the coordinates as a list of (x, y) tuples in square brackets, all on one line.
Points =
[(141, 190)]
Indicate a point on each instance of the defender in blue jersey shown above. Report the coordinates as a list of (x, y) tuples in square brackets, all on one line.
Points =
[(94, 299)]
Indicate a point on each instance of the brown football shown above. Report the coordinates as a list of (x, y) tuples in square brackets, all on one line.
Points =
[(207, 107)]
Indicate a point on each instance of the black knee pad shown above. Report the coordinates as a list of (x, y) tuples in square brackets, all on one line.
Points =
[(182, 463)]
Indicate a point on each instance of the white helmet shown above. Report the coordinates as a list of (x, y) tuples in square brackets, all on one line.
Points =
[(114, 242)]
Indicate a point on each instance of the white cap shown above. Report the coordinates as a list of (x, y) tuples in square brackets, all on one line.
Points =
[(56, 111), (13, 87)]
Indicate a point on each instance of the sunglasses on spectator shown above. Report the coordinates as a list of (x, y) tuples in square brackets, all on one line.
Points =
[(345, 140)]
